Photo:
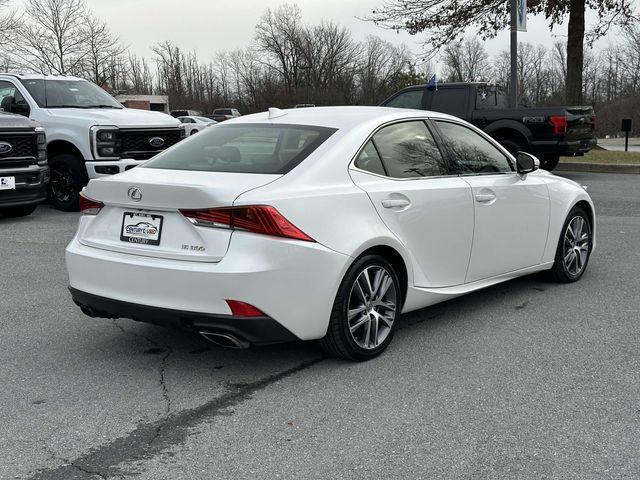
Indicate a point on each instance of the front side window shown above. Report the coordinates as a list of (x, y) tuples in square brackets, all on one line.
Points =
[(410, 99), (408, 149), (68, 94), (470, 152), (244, 148)]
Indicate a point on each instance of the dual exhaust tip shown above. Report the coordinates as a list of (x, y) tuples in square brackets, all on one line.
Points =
[(226, 340)]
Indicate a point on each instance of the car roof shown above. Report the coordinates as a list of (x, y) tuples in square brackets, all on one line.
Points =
[(340, 117), (39, 76)]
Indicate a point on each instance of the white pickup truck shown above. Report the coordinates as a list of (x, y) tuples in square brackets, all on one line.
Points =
[(89, 134)]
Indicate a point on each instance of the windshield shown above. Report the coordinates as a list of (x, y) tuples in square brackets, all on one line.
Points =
[(68, 94), (246, 148)]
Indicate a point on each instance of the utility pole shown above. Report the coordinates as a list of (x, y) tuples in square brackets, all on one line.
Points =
[(514, 54)]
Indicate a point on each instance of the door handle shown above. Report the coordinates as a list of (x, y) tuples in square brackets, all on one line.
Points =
[(395, 203), (485, 197)]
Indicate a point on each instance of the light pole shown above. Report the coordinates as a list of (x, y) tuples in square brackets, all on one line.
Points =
[(514, 53)]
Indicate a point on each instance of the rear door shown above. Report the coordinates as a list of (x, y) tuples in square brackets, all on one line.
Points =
[(511, 211), (405, 175)]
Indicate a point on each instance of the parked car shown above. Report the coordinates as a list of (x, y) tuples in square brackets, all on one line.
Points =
[(184, 113), (24, 173), (89, 133), (548, 132), (222, 114), (321, 223), (194, 125)]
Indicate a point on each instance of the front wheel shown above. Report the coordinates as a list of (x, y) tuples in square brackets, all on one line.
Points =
[(68, 176), (365, 312), (574, 247)]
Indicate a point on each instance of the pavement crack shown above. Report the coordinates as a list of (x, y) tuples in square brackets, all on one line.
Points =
[(165, 347), (150, 439)]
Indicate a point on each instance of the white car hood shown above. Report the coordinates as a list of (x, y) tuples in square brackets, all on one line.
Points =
[(126, 117)]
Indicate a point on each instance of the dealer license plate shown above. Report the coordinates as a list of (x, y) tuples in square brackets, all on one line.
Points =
[(142, 228)]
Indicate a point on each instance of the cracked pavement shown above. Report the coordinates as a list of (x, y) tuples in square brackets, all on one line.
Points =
[(527, 379)]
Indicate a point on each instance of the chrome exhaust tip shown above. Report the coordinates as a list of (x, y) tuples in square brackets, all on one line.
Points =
[(225, 340)]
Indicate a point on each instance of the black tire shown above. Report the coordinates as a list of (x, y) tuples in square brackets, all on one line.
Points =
[(562, 272), (339, 341), (68, 177), (193, 132), (511, 146), (21, 211), (549, 162)]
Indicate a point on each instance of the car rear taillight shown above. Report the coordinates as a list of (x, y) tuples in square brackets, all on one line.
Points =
[(559, 123), (89, 206), (241, 309), (254, 218)]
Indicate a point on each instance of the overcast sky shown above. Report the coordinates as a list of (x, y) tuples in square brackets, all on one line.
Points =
[(208, 26)]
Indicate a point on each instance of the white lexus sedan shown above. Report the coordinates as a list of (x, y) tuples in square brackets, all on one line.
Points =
[(194, 124), (321, 223)]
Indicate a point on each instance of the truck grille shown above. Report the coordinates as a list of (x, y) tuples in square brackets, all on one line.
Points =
[(24, 149), (138, 144)]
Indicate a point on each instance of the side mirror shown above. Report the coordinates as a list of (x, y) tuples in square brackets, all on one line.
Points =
[(526, 163)]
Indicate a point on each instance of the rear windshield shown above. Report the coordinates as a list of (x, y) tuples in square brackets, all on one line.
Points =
[(244, 148), (222, 111)]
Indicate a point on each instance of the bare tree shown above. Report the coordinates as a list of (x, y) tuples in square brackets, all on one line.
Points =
[(53, 38), (465, 61), (101, 48)]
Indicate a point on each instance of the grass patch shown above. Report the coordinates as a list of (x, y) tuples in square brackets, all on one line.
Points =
[(605, 156)]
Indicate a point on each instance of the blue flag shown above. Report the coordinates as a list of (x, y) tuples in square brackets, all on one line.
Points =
[(433, 84)]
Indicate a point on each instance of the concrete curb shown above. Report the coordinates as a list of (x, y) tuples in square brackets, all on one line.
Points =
[(599, 167)]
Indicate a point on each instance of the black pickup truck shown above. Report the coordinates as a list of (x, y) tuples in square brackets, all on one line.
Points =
[(24, 173), (547, 132)]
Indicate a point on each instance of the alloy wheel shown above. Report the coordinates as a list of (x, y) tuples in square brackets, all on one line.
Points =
[(576, 245), (372, 307), (63, 185)]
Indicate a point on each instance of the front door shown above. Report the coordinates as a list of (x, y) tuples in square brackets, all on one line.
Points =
[(511, 211)]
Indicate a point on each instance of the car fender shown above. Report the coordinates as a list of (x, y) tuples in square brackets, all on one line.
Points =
[(564, 194)]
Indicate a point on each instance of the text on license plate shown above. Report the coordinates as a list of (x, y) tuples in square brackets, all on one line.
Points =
[(142, 228)]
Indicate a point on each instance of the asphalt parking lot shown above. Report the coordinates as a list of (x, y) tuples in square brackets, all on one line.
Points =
[(528, 379)]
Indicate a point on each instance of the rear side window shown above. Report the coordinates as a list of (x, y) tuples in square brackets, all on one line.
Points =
[(247, 148), (410, 99), (369, 160), (409, 150)]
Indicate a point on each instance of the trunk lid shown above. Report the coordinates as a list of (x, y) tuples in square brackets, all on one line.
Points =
[(141, 212)]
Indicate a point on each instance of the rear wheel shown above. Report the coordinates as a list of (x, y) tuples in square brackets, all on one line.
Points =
[(21, 211), (68, 177), (193, 132), (511, 146), (574, 247), (366, 311), (549, 162)]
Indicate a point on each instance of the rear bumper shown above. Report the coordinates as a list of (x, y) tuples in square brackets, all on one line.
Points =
[(255, 330), (31, 183), (294, 283), (564, 148)]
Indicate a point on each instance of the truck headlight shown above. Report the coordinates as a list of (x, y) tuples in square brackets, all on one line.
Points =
[(41, 140), (105, 142)]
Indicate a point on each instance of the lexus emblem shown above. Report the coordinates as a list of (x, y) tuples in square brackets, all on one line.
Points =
[(134, 194), (156, 142), (5, 147)]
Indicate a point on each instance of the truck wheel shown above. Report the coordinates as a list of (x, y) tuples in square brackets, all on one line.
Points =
[(549, 162), (22, 211), (511, 146), (68, 176)]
